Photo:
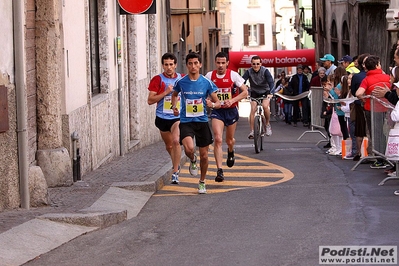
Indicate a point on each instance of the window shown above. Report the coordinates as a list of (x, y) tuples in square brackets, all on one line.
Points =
[(345, 39), (94, 47), (223, 22), (254, 34), (212, 5), (334, 38)]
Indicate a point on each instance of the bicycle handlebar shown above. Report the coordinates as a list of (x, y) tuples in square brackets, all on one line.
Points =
[(259, 99)]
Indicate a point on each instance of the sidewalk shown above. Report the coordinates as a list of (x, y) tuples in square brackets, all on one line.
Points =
[(111, 194)]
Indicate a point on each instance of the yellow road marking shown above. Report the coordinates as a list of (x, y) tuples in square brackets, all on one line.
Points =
[(254, 174)]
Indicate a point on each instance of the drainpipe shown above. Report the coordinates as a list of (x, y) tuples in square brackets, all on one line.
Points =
[(20, 90), (188, 19), (120, 88), (76, 156)]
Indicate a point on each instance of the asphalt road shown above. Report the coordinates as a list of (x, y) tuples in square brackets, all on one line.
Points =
[(324, 203)]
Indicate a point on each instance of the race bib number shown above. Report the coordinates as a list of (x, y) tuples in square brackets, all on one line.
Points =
[(194, 108), (167, 104), (224, 94)]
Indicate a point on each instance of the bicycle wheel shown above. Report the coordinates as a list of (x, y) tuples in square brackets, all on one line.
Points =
[(257, 134), (263, 132)]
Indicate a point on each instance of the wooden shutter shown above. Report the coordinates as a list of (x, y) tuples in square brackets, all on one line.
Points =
[(261, 34), (246, 34)]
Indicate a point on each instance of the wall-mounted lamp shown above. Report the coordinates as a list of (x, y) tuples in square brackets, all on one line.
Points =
[(181, 39)]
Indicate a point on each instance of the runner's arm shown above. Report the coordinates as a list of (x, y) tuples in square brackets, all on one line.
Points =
[(174, 103)]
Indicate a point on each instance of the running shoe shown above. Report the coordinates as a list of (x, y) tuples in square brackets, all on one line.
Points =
[(392, 174), (378, 165), (268, 130), (230, 158), (219, 176), (390, 170), (201, 188), (251, 135), (175, 178), (193, 166)]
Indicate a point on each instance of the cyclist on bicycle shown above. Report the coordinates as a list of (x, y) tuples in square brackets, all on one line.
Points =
[(231, 89), (261, 83)]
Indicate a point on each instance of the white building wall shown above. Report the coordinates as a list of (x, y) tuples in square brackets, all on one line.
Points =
[(9, 181), (285, 25), (142, 52), (242, 14), (112, 35), (75, 60), (6, 29)]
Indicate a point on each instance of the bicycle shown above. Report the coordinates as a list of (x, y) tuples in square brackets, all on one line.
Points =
[(259, 124)]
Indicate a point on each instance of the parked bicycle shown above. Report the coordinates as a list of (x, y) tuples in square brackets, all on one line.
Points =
[(259, 124)]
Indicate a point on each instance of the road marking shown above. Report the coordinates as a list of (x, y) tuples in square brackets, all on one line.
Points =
[(246, 173)]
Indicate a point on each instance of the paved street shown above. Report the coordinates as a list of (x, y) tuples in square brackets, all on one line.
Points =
[(294, 199)]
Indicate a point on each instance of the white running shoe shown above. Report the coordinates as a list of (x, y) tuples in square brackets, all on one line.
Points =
[(251, 135), (201, 188), (193, 166), (268, 130)]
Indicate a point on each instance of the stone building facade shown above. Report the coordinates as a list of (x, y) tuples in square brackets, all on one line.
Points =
[(194, 27), (75, 74), (354, 27)]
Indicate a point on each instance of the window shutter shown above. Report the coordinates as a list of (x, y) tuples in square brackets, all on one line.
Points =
[(246, 34), (261, 34)]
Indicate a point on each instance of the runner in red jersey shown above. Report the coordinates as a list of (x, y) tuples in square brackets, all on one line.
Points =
[(231, 89)]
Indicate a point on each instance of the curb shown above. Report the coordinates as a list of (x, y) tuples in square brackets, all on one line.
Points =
[(122, 201)]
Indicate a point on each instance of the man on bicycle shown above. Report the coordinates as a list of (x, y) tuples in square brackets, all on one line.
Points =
[(231, 89), (261, 83)]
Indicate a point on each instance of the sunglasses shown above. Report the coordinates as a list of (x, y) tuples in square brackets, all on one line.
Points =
[(255, 64)]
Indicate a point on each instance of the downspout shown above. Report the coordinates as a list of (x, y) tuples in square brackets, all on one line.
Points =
[(120, 87), (188, 19), (20, 91)]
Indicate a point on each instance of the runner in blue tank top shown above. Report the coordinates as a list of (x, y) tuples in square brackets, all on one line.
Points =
[(196, 93)]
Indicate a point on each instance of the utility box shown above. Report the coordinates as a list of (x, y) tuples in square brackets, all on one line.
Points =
[(4, 123)]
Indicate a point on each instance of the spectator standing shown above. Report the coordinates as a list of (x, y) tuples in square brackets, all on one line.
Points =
[(298, 84), (360, 119), (335, 92), (395, 118), (287, 104), (348, 64), (346, 108), (317, 80), (374, 77), (328, 63), (307, 72)]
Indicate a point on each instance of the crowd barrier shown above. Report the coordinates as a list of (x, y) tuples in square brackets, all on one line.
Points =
[(315, 95), (381, 123), (380, 126)]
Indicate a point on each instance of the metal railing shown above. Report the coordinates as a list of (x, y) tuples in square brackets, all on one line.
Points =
[(315, 95)]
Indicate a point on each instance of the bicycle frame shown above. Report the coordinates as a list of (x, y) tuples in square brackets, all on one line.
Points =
[(259, 124)]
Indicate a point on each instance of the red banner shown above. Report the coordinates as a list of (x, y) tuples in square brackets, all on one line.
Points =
[(280, 58), (135, 6)]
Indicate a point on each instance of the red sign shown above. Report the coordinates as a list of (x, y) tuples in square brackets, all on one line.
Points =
[(135, 6), (280, 58)]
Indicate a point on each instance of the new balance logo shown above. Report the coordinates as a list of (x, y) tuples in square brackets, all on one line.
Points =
[(246, 59)]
